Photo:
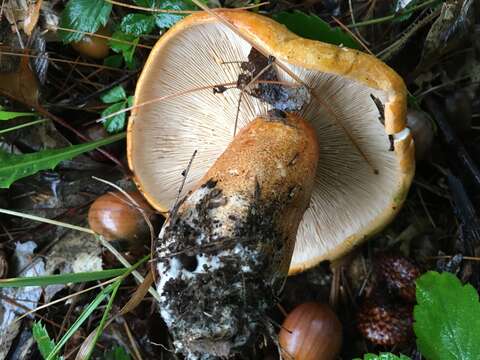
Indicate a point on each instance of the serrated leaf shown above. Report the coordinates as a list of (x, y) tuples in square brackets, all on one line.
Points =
[(124, 44), (447, 318), (115, 123), (115, 94), (384, 356), (44, 343), (137, 24), (9, 115), (117, 353), (167, 20), (14, 167), (84, 16), (312, 27)]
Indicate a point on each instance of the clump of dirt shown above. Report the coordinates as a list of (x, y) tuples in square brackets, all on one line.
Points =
[(261, 71)]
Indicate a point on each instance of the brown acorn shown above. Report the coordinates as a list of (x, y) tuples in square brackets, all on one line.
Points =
[(398, 273), (385, 324), (311, 331), (95, 47), (116, 218)]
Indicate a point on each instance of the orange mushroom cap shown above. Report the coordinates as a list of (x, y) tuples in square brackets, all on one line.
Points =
[(357, 107)]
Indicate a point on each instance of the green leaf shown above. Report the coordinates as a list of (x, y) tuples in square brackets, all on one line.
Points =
[(167, 20), (103, 321), (137, 24), (117, 353), (114, 95), (44, 343), (115, 123), (83, 16), (14, 167), (130, 101), (312, 27), (61, 279), (88, 310), (384, 356), (21, 126), (124, 44), (9, 115), (447, 318), (114, 61)]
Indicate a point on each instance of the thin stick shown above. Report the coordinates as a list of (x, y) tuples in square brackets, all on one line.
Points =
[(352, 16), (392, 16), (63, 91), (132, 340), (187, 170), (471, 258), (125, 263), (162, 98), (104, 242), (47, 221), (102, 37), (35, 122), (136, 7), (65, 298), (48, 58), (344, 27), (186, 92), (255, 78)]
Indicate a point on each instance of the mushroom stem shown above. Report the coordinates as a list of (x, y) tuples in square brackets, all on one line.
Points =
[(228, 245)]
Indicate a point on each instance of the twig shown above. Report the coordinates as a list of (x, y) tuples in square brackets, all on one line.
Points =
[(83, 100), (389, 51), (48, 58), (102, 37), (344, 27), (352, 16), (255, 78), (136, 7), (104, 242), (174, 209), (393, 16)]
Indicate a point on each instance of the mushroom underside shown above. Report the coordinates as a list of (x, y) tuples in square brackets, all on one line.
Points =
[(357, 179)]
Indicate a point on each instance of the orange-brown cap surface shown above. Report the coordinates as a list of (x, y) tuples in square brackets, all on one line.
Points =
[(367, 160)]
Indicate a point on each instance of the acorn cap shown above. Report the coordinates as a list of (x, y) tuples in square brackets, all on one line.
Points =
[(366, 152)]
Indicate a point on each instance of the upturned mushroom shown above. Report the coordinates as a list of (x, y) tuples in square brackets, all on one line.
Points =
[(225, 249)]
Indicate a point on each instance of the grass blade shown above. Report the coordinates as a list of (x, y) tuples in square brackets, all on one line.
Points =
[(81, 319), (9, 115), (62, 279), (13, 128), (103, 321)]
